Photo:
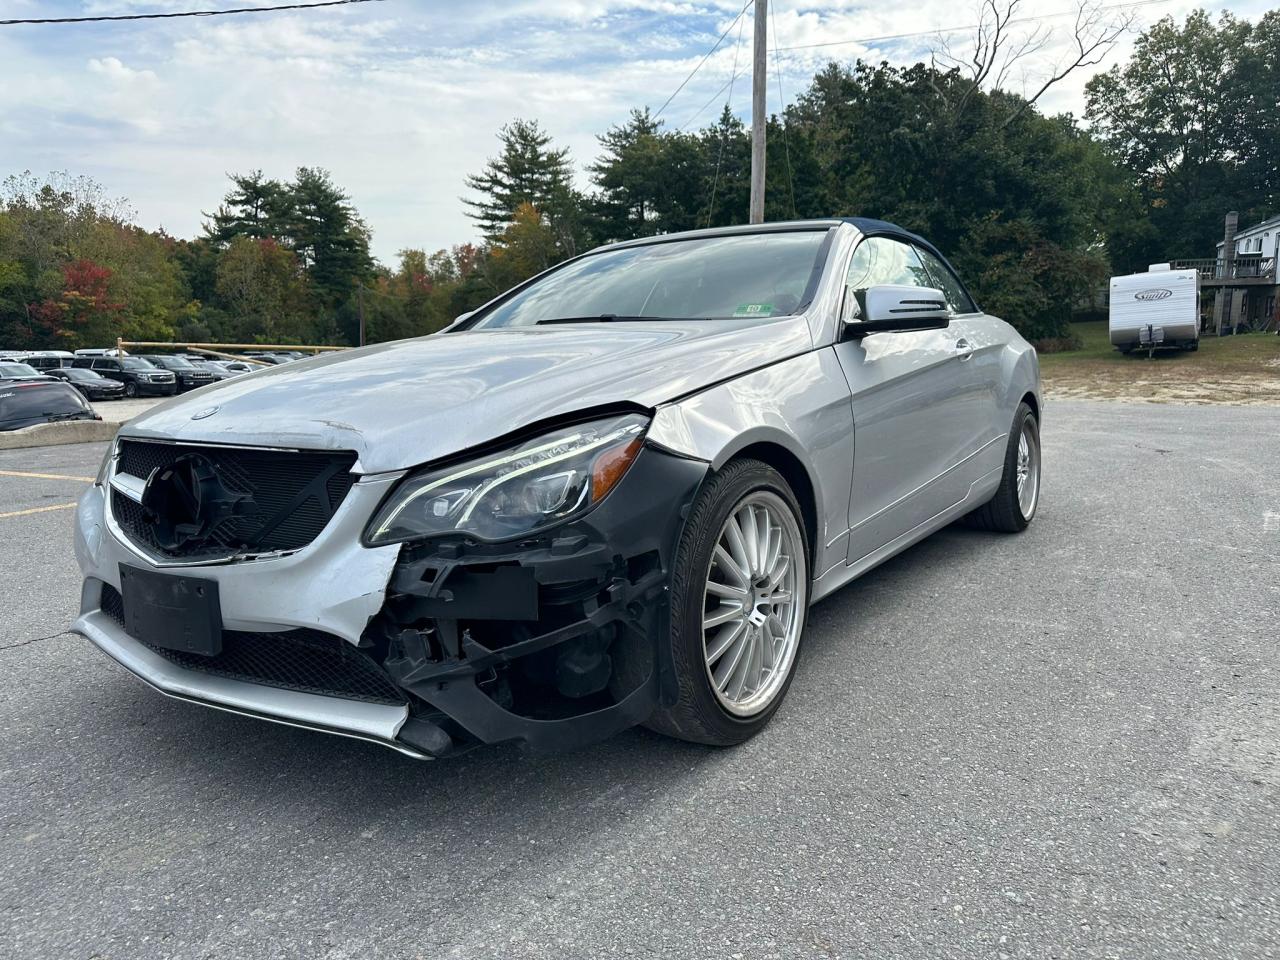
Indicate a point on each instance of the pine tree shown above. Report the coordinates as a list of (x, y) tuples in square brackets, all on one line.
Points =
[(327, 235), (528, 170), (256, 207), (630, 176)]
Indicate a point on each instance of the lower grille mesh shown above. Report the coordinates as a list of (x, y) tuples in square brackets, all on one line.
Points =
[(308, 661)]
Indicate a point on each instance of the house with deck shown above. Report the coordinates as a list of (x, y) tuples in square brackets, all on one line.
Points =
[(1242, 276)]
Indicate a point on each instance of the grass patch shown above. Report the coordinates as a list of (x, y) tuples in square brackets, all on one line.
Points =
[(1240, 369)]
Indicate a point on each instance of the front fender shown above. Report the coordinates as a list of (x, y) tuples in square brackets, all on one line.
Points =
[(801, 405), (1020, 369)]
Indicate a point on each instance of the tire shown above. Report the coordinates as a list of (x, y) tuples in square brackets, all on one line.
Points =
[(1007, 512), (722, 701), (130, 390)]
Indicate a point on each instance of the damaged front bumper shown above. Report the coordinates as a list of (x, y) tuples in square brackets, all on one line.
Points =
[(434, 646)]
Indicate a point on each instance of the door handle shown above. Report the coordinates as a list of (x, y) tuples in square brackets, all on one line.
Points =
[(964, 349)]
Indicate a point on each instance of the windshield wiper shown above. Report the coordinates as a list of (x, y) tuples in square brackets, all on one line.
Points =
[(61, 416), (604, 318)]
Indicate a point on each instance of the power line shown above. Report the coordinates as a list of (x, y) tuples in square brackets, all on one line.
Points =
[(704, 59), (782, 109), (715, 180), (969, 26), (716, 96), (188, 13)]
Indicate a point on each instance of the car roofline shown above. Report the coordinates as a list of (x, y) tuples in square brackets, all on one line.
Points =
[(867, 226), (781, 226)]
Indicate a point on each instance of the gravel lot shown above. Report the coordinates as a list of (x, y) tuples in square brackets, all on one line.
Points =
[(1062, 744)]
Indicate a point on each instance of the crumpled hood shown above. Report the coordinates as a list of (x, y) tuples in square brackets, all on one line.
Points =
[(413, 401)]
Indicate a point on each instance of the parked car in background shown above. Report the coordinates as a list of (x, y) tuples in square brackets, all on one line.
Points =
[(93, 385), (49, 359), (236, 367), (188, 374), (140, 378), (272, 358), (13, 370), (25, 403), (605, 498), (208, 366)]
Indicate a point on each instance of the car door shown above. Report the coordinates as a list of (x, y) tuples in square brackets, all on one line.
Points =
[(109, 369), (909, 431), (978, 344)]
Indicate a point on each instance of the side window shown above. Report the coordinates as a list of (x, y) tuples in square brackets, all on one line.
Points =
[(882, 260), (946, 281)]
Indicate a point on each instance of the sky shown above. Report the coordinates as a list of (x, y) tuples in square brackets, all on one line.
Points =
[(401, 99)]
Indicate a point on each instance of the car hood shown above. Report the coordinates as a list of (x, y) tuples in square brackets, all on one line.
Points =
[(409, 402)]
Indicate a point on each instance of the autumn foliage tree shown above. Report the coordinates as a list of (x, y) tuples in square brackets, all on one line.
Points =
[(83, 313)]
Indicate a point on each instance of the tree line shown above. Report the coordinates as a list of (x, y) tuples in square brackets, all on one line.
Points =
[(1034, 210)]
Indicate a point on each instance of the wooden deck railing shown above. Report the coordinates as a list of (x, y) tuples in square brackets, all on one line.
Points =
[(1241, 268)]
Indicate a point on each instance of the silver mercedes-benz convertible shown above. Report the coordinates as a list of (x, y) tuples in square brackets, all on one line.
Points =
[(608, 497)]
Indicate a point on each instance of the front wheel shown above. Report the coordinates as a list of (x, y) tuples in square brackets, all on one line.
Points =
[(130, 390), (740, 593), (1015, 501)]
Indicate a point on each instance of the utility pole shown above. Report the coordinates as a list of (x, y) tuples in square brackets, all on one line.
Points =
[(757, 113), (360, 305)]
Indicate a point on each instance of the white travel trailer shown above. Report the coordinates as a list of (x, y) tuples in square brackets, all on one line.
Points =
[(1156, 309)]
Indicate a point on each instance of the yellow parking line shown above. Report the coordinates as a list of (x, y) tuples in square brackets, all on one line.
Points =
[(27, 513), (43, 476)]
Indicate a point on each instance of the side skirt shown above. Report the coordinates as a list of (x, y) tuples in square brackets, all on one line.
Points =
[(836, 577)]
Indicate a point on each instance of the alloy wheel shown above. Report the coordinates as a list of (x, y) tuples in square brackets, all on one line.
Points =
[(1028, 469), (753, 604)]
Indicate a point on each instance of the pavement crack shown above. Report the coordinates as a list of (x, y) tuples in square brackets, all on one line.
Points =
[(31, 640)]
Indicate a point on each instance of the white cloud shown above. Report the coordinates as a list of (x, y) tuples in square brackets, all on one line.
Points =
[(399, 100)]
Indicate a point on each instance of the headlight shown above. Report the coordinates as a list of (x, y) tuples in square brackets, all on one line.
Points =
[(539, 483)]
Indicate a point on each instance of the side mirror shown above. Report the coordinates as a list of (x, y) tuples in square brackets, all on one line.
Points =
[(894, 307)]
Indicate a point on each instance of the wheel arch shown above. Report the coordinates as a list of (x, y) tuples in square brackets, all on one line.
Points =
[(797, 476), (1032, 401)]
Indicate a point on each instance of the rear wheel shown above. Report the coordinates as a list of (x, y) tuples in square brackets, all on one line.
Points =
[(740, 591), (1014, 504)]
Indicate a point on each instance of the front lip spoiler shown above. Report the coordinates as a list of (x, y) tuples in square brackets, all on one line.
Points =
[(372, 722)]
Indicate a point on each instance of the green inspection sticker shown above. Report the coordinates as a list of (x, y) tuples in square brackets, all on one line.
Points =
[(754, 310)]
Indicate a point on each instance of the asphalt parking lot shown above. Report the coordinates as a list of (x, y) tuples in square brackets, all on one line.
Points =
[(1061, 744)]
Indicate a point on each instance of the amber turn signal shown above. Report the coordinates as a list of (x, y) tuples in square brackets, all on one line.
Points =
[(610, 466)]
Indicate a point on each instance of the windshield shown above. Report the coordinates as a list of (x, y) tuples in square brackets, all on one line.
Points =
[(40, 400), (744, 275), (135, 363), (18, 370), (77, 373)]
